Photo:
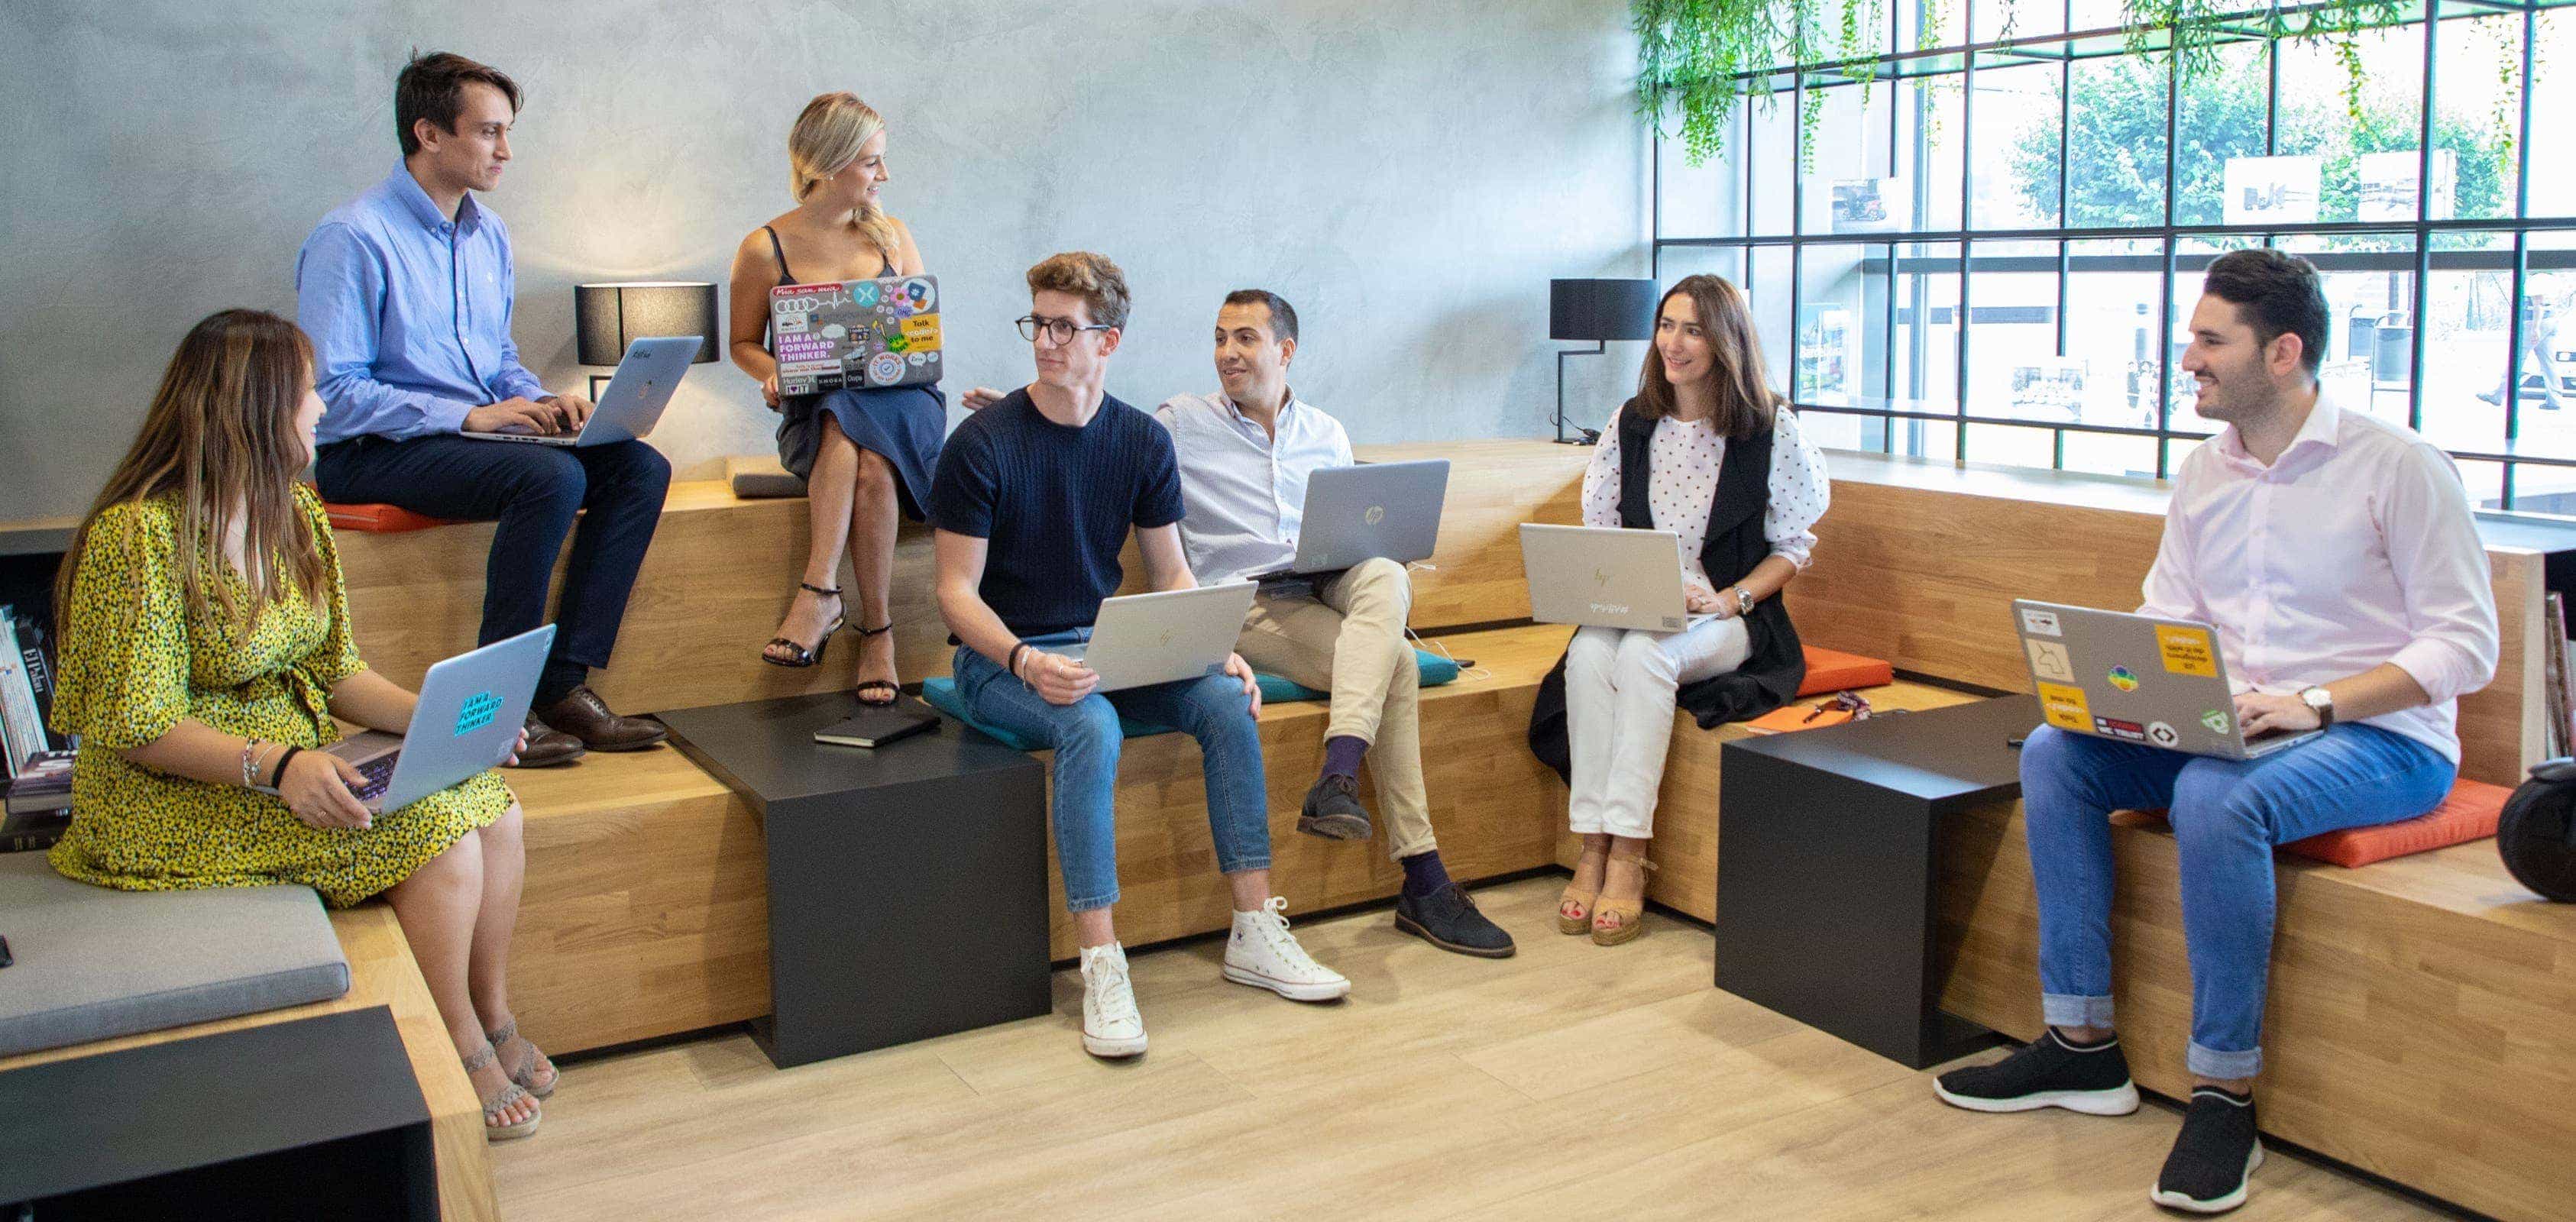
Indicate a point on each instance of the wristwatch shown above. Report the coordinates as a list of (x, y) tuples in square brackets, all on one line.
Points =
[(1743, 601), (2321, 702)]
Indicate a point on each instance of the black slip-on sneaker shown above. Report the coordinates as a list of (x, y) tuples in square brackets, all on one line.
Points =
[(2048, 1072), (2213, 1157), (1446, 918), (1333, 810)]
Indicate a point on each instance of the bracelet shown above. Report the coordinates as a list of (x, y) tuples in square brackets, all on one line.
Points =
[(1013, 665), (250, 762), (278, 779)]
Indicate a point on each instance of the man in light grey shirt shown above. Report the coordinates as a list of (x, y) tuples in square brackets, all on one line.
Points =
[(1245, 454)]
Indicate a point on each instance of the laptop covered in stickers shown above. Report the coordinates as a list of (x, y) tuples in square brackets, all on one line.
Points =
[(2137, 678), (855, 334)]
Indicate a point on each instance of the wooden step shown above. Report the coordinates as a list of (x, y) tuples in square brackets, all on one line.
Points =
[(2419, 1019)]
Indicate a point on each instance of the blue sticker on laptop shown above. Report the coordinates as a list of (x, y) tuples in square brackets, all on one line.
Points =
[(477, 713)]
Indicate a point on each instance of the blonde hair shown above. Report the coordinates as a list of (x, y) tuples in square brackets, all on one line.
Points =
[(220, 435), (1102, 287), (826, 139)]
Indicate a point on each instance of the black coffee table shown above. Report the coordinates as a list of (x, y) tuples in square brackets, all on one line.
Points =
[(907, 884), (1827, 863), (314, 1118)]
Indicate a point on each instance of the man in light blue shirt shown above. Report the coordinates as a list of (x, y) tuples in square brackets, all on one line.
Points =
[(1245, 454), (406, 292)]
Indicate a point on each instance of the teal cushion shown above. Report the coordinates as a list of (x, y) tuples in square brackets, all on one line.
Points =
[(941, 694), (1434, 669)]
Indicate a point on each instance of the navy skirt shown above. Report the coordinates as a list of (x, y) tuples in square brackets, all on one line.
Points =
[(901, 424)]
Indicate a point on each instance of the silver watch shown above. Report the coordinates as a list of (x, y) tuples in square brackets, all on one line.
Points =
[(1743, 601), (2319, 701)]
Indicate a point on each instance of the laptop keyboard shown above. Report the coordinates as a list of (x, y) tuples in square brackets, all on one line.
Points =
[(379, 773)]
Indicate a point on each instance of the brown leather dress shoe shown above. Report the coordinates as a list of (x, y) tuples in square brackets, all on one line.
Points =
[(586, 717), (547, 747)]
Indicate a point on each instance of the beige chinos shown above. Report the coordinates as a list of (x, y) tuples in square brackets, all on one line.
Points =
[(1348, 638)]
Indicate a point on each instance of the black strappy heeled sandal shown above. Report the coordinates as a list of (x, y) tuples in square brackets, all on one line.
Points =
[(890, 689), (804, 657)]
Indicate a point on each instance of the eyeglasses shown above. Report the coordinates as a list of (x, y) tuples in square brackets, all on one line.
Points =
[(1059, 331)]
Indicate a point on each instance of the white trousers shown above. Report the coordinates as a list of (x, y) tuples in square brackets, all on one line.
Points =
[(1619, 686)]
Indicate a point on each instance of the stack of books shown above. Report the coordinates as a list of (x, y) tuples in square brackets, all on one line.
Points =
[(39, 788)]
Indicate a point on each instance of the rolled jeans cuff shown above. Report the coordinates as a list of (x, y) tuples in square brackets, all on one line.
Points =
[(1087, 905), (1241, 864), (2212, 1063), (2067, 1010)]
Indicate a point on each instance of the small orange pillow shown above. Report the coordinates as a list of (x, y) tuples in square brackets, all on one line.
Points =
[(379, 519), (2470, 813), (1830, 670)]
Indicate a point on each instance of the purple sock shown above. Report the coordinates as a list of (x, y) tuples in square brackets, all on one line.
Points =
[(1423, 873), (1342, 754)]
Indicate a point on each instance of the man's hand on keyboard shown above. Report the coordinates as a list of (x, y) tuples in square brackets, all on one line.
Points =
[(319, 789)]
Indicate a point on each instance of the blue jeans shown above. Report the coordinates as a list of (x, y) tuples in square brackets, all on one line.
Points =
[(1086, 740), (2226, 817), (536, 493)]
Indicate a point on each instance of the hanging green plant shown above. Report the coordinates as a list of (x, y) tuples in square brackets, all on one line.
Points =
[(1698, 60), (1701, 59)]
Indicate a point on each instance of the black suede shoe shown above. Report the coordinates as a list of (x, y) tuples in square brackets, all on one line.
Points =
[(1333, 810), (547, 747), (2049, 1072), (2214, 1156), (1446, 918)]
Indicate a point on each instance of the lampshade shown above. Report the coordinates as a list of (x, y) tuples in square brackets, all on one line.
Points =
[(1600, 309), (609, 316)]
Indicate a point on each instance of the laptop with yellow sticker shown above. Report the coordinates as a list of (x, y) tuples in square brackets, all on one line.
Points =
[(2136, 678)]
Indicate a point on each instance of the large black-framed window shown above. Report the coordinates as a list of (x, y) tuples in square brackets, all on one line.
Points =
[(1984, 252)]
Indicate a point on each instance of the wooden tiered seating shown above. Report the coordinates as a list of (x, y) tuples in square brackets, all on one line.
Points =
[(2418, 1015)]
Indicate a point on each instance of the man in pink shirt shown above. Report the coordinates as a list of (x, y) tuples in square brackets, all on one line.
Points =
[(2338, 560)]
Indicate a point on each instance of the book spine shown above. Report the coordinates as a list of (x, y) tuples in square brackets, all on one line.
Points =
[(30, 842), (35, 649), (18, 728)]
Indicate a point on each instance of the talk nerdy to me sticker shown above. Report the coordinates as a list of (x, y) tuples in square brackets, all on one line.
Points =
[(2063, 706)]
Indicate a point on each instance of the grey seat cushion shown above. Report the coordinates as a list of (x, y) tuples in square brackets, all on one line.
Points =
[(93, 963)]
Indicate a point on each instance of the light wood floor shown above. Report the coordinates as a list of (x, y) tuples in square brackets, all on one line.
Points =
[(1570, 1082)]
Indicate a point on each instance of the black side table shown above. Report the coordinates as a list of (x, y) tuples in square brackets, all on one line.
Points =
[(1827, 861), (315, 1118), (907, 884)]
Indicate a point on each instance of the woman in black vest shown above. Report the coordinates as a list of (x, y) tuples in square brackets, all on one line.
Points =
[(1707, 451)]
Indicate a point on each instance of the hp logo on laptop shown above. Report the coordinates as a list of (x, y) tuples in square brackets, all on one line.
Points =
[(1375, 515)]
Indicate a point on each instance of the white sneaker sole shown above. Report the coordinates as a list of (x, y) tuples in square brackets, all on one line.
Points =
[(2117, 1102), (2218, 1205), (1113, 1049), (1289, 989)]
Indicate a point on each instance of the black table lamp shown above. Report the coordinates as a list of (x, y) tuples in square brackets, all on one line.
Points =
[(1600, 311), (608, 317)]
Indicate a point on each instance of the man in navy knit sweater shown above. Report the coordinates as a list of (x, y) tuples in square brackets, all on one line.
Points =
[(1034, 496)]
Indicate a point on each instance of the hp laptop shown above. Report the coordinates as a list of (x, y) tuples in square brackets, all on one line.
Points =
[(1605, 577), (1388, 509), (471, 708), (634, 400), (860, 334), (1144, 639), (2136, 678)]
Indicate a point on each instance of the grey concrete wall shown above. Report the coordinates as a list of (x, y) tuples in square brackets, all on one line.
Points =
[(1408, 174)]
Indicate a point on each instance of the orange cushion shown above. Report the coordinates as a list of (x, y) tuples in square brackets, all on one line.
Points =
[(1830, 670), (379, 519), (2470, 813)]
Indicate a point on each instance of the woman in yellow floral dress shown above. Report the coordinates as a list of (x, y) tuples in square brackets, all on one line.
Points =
[(206, 650)]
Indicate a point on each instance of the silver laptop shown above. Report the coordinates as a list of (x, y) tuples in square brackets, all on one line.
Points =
[(2136, 678), (471, 708), (1143, 639), (1387, 510), (634, 400), (1605, 577)]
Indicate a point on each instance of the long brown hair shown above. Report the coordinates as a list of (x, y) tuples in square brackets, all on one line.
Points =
[(221, 435), (1745, 404)]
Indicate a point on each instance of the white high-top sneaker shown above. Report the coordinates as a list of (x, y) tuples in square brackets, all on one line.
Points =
[(1111, 1025), (1263, 954)]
